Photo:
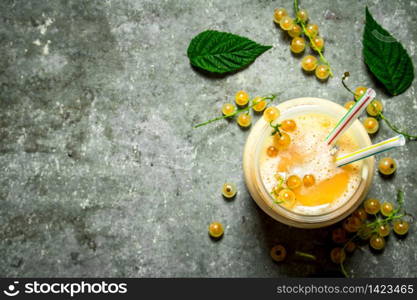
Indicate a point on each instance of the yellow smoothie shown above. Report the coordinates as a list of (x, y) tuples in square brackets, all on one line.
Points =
[(309, 155)]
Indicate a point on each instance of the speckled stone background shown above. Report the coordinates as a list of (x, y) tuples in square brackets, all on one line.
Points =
[(101, 173)]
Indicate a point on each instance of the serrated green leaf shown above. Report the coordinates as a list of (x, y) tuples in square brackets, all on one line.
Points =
[(386, 57), (221, 52)]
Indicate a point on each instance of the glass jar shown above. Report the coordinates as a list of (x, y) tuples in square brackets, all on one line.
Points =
[(257, 189)]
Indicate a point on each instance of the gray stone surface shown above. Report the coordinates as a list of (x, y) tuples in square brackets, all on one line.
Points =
[(101, 171)]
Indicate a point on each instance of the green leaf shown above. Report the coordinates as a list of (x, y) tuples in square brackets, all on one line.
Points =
[(386, 57), (222, 52)]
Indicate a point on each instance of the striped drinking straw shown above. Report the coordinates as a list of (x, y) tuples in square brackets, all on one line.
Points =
[(386, 145), (350, 116)]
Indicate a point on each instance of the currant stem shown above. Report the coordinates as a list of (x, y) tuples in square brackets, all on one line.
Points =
[(306, 255), (342, 267), (270, 98), (302, 23), (380, 114), (276, 128), (212, 120), (346, 76), (395, 128)]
